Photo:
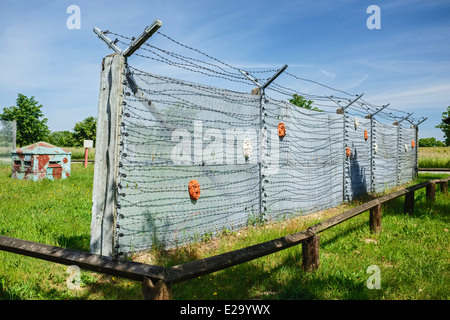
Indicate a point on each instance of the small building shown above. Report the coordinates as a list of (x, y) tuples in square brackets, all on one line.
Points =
[(39, 161)]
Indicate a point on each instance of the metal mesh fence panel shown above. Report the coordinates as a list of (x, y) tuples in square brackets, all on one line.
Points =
[(178, 161), (385, 156), (306, 174), (357, 164), (175, 132), (406, 157)]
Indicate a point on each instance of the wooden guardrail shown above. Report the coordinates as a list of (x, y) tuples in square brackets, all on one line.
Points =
[(165, 277)]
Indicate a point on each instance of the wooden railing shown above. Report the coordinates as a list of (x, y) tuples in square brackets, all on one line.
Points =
[(157, 280)]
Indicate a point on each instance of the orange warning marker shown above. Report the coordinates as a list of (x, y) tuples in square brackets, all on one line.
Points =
[(281, 130), (194, 189)]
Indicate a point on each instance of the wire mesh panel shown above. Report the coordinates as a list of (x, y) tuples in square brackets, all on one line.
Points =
[(306, 174), (177, 136), (357, 163), (174, 132), (406, 155), (385, 156), (7, 139)]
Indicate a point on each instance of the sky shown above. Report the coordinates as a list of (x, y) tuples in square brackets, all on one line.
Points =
[(405, 62)]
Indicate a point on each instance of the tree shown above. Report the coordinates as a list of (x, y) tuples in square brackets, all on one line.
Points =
[(303, 103), (62, 139), (85, 130), (27, 113), (430, 142), (445, 127)]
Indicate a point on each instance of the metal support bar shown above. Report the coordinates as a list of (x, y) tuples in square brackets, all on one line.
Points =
[(406, 118), (262, 133), (136, 44), (421, 121), (337, 102), (107, 40), (274, 76), (413, 124), (249, 77), (383, 107), (357, 98), (263, 86)]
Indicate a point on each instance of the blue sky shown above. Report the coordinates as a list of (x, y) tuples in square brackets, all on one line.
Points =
[(405, 63)]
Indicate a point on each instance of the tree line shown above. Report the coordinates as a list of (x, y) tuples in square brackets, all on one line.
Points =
[(31, 125)]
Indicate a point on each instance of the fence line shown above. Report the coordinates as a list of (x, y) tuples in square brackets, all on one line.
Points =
[(304, 171), (162, 133)]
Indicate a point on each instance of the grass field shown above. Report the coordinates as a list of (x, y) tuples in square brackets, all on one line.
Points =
[(78, 153), (437, 157), (412, 252)]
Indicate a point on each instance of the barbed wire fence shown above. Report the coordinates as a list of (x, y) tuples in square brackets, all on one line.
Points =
[(173, 134)]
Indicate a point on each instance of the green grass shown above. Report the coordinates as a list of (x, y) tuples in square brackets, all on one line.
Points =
[(412, 252), (436, 157), (78, 153), (56, 213)]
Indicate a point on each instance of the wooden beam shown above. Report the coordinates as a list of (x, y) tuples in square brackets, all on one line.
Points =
[(201, 267), (84, 260)]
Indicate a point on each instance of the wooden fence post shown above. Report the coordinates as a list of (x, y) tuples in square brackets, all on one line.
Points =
[(160, 291), (409, 203), (310, 253), (375, 219), (444, 187), (104, 200), (431, 191)]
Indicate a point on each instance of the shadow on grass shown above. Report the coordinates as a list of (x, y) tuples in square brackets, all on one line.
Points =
[(438, 209), (77, 242), (285, 281)]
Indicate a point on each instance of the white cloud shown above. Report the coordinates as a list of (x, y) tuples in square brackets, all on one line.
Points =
[(416, 96)]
